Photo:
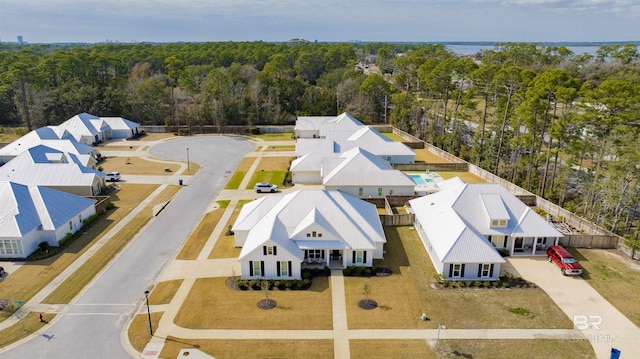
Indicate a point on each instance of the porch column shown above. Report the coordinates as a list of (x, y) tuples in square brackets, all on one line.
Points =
[(513, 243)]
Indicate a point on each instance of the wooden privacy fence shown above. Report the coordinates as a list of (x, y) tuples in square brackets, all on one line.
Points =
[(588, 241), (397, 219)]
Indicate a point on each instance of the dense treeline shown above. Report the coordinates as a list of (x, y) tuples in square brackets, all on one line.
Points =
[(562, 125)]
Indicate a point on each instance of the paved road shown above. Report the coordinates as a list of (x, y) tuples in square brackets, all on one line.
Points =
[(92, 325)]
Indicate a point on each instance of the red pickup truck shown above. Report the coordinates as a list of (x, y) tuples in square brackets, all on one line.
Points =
[(568, 265)]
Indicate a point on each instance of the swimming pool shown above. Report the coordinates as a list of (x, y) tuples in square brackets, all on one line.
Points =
[(420, 180)]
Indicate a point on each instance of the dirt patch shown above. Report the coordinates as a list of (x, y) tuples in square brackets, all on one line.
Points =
[(630, 263)]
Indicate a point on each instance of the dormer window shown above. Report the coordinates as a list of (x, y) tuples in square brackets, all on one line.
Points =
[(498, 223), (495, 210)]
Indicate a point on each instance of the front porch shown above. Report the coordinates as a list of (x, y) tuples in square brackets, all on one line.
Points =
[(320, 258), (531, 246)]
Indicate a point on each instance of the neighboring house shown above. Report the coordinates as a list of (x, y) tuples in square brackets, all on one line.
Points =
[(331, 127), (30, 215), (281, 234), (308, 168), (464, 225), (378, 144), (90, 129), (121, 127), (361, 174), (342, 133), (48, 167), (50, 136)]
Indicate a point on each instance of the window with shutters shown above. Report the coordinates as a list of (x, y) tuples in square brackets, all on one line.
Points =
[(257, 268), (457, 270), (359, 257), (486, 270), (284, 269), (269, 250)]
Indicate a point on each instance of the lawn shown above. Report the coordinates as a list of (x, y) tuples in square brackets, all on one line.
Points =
[(152, 136), (117, 148), (71, 286), (271, 170), (403, 296), (281, 148), (225, 245), (25, 327), (240, 172), (392, 136), (199, 237), (212, 305), (138, 166), (429, 157), (30, 278), (496, 349), (467, 177), (163, 292), (285, 136), (615, 276), (251, 348), (139, 334)]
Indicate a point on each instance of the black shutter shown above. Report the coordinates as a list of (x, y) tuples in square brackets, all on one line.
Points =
[(306, 254), (264, 250), (275, 252), (278, 268), (289, 269), (353, 260), (262, 268), (504, 242), (364, 257), (491, 270), (250, 268), (479, 270), (462, 270), (322, 253), (451, 270)]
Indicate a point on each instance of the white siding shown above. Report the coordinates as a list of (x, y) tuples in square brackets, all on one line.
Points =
[(306, 177)]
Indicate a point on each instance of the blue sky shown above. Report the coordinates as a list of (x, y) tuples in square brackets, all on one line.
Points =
[(324, 20)]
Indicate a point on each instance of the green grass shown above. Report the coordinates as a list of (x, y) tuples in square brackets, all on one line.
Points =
[(285, 136), (614, 276), (275, 177), (394, 137), (241, 171)]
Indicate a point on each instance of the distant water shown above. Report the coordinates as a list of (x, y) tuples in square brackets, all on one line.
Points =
[(473, 49)]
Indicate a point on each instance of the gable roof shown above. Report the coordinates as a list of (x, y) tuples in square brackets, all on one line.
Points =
[(42, 165), (82, 124), (360, 167), (119, 123), (456, 222), (56, 208), (341, 127), (354, 221), (26, 208), (18, 214)]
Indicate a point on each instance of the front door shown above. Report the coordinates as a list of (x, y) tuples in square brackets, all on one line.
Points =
[(518, 243), (335, 254)]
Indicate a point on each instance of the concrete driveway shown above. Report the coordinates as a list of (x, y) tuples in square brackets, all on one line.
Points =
[(602, 324)]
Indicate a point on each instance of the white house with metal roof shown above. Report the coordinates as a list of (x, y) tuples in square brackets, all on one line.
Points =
[(361, 174), (331, 127), (30, 215), (53, 137), (48, 167), (281, 234), (463, 225), (89, 129)]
